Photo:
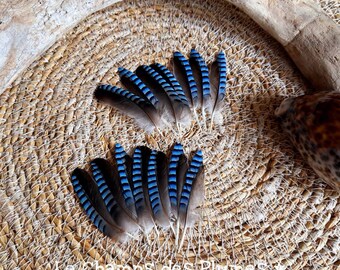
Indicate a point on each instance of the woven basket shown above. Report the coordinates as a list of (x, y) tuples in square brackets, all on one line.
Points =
[(264, 207)]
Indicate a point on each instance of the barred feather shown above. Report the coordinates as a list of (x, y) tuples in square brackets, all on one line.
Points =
[(103, 174), (122, 174), (151, 78), (173, 105), (218, 79), (170, 78), (184, 75), (160, 216), (144, 113), (201, 75), (192, 195), (94, 206), (139, 187), (131, 81), (176, 171)]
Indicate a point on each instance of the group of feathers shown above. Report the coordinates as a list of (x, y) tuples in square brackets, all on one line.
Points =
[(155, 97), (136, 193)]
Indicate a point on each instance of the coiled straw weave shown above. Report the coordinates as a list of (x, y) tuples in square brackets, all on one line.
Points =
[(263, 205)]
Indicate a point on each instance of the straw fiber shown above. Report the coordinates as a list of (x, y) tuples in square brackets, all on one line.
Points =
[(264, 207)]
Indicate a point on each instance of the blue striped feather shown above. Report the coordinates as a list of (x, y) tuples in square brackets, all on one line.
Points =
[(157, 189), (160, 81), (222, 69), (194, 168), (170, 78), (153, 191), (104, 190), (127, 194), (130, 79), (201, 69), (187, 73), (137, 180), (91, 201), (144, 113), (176, 153), (121, 92), (87, 205), (139, 187)]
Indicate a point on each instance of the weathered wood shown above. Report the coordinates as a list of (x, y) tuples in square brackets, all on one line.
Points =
[(28, 28), (309, 36)]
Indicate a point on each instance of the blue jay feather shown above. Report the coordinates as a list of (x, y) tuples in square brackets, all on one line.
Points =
[(140, 192), (139, 187), (157, 98), (144, 113), (192, 195), (166, 94), (162, 90), (131, 81), (154, 186), (113, 197), (201, 74), (170, 78), (122, 174), (184, 75), (176, 172), (94, 206), (218, 80)]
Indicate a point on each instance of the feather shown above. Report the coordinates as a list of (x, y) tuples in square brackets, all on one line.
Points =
[(176, 172), (144, 113), (154, 187), (94, 206), (103, 174), (184, 75), (192, 195), (180, 112), (201, 75), (218, 80), (122, 175), (151, 78), (139, 187), (131, 81), (170, 78)]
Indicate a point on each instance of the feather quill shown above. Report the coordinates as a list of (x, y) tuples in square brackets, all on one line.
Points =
[(156, 177), (218, 80), (131, 81), (144, 113), (201, 75), (94, 206), (192, 195), (184, 75), (103, 174), (180, 112)]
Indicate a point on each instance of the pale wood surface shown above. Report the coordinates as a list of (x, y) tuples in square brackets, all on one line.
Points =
[(29, 27), (310, 37)]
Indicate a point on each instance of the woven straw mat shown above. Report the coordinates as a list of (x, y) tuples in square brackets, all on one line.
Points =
[(264, 207)]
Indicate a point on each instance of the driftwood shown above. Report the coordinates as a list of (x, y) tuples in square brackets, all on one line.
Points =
[(309, 36), (29, 27)]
